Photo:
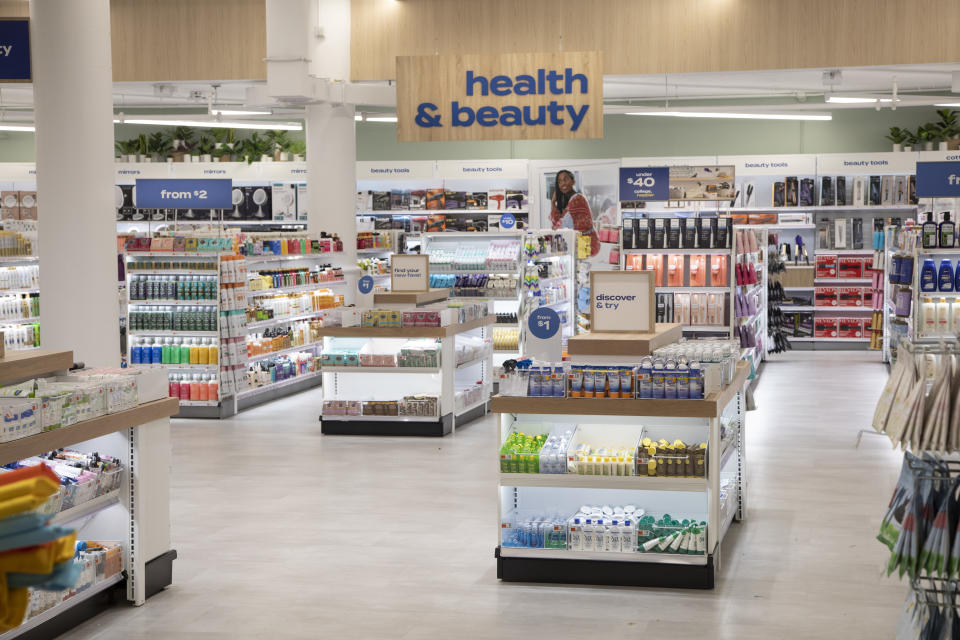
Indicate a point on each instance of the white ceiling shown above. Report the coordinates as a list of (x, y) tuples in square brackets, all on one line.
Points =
[(796, 85)]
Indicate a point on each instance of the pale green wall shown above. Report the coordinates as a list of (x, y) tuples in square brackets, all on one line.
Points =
[(857, 130)]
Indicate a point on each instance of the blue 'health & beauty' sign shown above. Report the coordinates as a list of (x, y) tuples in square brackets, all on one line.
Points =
[(15, 50), (938, 179), (644, 183), (209, 193)]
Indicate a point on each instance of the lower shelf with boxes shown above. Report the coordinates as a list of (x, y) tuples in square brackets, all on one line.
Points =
[(693, 308), (83, 477), (409, 406)]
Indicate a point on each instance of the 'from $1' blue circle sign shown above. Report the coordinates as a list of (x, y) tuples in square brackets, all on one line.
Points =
[(507, 221), (544, 323), (365, 284)]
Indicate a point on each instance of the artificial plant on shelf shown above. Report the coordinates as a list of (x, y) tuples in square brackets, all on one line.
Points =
[(928, 134), (160, 146), (910, 141), (949, 129), (182, 143), (299, 149), (143, 148), (205, 148), (897, 137), (279, 142), (256, 148), (126, 149)]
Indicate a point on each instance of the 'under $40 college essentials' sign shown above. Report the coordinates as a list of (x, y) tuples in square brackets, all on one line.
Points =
[(514, 96)]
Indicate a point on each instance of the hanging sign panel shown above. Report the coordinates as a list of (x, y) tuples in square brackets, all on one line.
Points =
[(15, 50), (622, 301), (645, 183), (409, 272), (213, 193), (938, 179), (511, 96)]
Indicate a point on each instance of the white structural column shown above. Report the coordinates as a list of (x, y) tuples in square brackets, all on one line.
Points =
[(73, 81), (331, 173)]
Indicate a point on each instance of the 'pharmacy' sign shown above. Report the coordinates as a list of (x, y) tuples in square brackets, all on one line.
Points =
[(515, 96)]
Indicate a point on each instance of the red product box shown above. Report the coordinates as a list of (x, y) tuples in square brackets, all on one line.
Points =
[(825, 327), (850, 268), (826, 266), (867, 266), (850, 297), (850, 327), (867, 297), (825, 297), (867, 326)]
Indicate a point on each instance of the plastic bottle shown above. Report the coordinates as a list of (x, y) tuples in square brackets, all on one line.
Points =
[(213, 389), (213, 358), (185, 351), (194, 352), (156, 355), (184, 387), (628, 537), (588, 535), (928, 276), (174, 383), (203, 390), (947, 232), (136, 352), (929, 232), (575, 539), (203, 352), (195, 387), (945, 276)]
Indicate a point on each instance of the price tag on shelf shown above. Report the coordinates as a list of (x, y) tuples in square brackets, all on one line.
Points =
[(543, 335), (365, 291)]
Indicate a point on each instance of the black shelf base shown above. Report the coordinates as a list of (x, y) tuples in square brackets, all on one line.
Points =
[(332, 427), (473, 414), (603, 572)]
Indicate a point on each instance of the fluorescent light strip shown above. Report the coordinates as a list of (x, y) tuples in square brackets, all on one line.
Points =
[(856, 100), (382, 119), (948, 104), (358, 117), (285, 126), (17, 127), (240, 112), (743, 116)]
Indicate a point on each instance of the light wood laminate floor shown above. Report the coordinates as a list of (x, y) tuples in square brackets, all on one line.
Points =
[(283, 533)]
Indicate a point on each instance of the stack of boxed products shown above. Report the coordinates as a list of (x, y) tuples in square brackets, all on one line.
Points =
[(604, 529), (837, 297), (283, 244), (45, 404), (683, 371), (434, 201)]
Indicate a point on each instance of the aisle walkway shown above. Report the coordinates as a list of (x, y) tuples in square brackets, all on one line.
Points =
[(286, 534)]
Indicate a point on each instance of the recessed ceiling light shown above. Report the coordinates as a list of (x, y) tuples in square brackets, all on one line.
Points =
[(381, 118), (856, 100), (17, 127)]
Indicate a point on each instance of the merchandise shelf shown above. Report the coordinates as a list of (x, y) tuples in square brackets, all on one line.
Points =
[(291, 256), (472, 361), (166, 334), (30, 363), (628, 483), (693, 289), (176, 254), (491, 298), (706, 327), (432, 212), (299, 288), (278, 385), (20, 320), (172, 303), (375, 250), (177, 367), (82, 510), (691, 251), (382, 418), (844, 252), (840, 309), (18, 260), (87, 430), (787, 307), (260, 324), (411, 297), (63, 607), (10, 292), (560, 554), (469, 272), (381, 369), (303, 347), (939, 251), (198, 403), (843, 281)]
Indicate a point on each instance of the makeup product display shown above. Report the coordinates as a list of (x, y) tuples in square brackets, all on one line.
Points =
[(265, 245), (268, 279), (291, 366)]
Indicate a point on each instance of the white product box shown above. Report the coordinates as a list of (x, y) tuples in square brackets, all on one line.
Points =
[(302, 203), (284, 201)]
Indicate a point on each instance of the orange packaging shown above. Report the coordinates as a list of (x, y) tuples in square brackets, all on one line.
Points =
[(698, 271), (633, 262), (718, 270), (675, 270), (655, 264)]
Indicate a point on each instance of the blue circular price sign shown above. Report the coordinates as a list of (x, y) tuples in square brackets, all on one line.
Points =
[(544, 323), (507, 221), (365, 284)]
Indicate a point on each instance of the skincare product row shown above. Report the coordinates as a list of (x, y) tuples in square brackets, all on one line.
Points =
[(692, 308), (155, 318), (499, 255), (373, 240), (262, 280), (282, 306), (279, 338), (544, 245), (421, 406), (476, 285), (157, 287), (196, 387), (255, 245), (174, 351), (273, 370), (26, 277), (19, 307), (424, 353), (159, 265)]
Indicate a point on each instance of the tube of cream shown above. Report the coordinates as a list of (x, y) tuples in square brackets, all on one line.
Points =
[(626, 383), (588, 380), (613, 381)]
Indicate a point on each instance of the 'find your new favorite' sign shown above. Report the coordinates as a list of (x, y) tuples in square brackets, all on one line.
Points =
[(518, 96)]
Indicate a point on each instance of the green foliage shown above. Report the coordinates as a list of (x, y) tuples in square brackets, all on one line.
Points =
[(897, 135), (298, 148), (948, 125), (160, 144), (279, 140)]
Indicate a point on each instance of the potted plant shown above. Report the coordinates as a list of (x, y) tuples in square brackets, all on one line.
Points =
[(897, 136), (205, 148), (910, 141), (127, 150), (256, 148), (160, 146), (143, 148), (949, 129), (231, 144), (280, 143), (218, 136), (182, 142), (299, 150), (928, 135)]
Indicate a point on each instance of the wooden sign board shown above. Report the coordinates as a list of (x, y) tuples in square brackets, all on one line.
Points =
[(510, 96), (409, 272), (622, 301)]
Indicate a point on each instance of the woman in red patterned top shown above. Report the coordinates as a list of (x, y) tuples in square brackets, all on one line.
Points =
[(567, 202)]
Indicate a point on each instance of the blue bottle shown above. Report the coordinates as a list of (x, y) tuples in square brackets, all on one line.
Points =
[(945, 276), (136, 354), (156, 356), (956, 277), (928, 276)]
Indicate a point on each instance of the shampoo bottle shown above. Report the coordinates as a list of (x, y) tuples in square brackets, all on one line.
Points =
[(956, 277), (945, 276), (929, 232), (928, 276), (947, 232)]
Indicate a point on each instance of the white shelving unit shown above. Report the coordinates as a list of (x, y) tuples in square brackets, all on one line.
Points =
[(350, 383), (719, 497), (140, 439)]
